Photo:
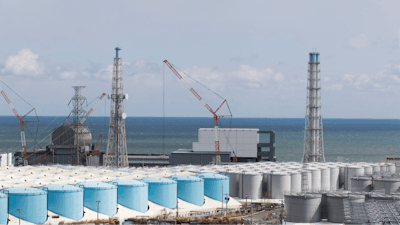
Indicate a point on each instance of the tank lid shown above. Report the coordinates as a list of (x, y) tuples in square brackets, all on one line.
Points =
[(360, 178), (129, 182), (212, 176), (96, 185), (158, 180), (304, 195), (186, 178), (62, 188), (25, 191), (388, 179)]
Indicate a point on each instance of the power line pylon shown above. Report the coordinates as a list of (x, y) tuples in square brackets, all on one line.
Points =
[(117, 155), (313, 150), (78, 112)]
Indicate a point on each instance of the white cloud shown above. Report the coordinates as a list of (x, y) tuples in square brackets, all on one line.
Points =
[(257, 77), (24, 63), (335, 87), (68, 75), (360, 41)]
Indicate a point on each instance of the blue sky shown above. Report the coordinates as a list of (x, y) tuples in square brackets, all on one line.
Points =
[(253, 53)]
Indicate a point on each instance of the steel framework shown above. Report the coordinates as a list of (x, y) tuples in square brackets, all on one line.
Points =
[(77, 113), (313, 149), (117, 155)]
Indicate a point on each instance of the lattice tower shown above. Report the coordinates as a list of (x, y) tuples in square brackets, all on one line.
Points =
[(313, 150), (78, 112), (117, 155)]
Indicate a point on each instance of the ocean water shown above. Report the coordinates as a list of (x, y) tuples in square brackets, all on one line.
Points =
[(354, 139)]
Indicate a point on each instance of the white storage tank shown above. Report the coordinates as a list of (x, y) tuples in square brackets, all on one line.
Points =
[(325, 179), (383, 167), (368, 170), (376, 168), (306, 174), (252, 185), (361, 184), (295, 182), (315, 179), (334, 176), (392, 167), (303, 208), (280, 184)]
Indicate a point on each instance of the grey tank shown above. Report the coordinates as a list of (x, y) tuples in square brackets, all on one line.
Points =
[(389, 185), (234, 184), (252, 185), (361, 184), (350, 172), (303, 208), (335, 206)]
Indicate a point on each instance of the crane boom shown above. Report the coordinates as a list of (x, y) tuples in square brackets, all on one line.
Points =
[(91, 110), (21, 125), (98, 143), (216, 117)]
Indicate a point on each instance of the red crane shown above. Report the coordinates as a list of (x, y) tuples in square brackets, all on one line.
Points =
[(21, 125), (91, 110), (216, 117)]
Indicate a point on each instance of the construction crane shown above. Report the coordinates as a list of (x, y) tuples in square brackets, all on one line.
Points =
[(91, 110), (96, 148), (21, 125), (42, 159), (216, 117)]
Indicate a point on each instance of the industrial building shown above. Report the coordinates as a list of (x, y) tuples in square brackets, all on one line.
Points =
[(242, 144)]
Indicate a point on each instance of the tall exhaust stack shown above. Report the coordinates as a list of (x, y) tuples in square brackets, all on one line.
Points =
[(313, 150)]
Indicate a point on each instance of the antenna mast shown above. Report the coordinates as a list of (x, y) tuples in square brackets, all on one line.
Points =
[(117, 155)]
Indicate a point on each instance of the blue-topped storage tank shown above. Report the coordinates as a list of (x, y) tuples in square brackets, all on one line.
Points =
[(162, 191), (190, 189), (213, 185), (65, 200), (3, 208), (31, 201), (103, 192), (133, 194)]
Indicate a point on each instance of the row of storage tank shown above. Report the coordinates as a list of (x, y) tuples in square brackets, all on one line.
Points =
[(243, 180), (276, 180), (69, 200), (313, 207)]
